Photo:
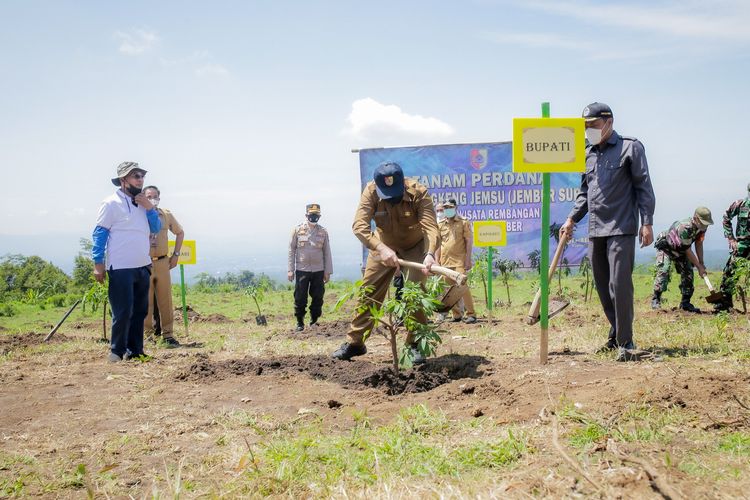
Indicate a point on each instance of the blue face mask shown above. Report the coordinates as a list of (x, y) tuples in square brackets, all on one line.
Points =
[(450, 212)]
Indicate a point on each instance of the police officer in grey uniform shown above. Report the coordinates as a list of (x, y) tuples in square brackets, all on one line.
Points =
[(615, 189), (309, 265)]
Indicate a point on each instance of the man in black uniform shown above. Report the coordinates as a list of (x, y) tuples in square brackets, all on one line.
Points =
[(615, 189)]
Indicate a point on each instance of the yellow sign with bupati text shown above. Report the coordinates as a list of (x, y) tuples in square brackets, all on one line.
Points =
[(547, 145), (490, 233), (187, 252)]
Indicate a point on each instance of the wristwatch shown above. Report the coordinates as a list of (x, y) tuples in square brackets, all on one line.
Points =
[(176, 254)]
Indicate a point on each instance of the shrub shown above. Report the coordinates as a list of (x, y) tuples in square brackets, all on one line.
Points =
[(7, 309)]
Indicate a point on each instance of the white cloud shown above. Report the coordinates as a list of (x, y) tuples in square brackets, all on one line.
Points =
[(538, 40), (588, 49), (212, 69), (370, 121), (710, 19), (136, 42)]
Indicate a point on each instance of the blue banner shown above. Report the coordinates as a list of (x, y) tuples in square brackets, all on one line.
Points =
[(481, 179)]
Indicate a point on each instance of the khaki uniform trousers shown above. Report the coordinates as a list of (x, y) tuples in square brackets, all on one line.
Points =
[(379, 276), (161, 287), (468, 300)]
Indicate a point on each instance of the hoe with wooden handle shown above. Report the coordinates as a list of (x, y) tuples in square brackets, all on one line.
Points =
[(555, 306), (451, 296), (714, 297)]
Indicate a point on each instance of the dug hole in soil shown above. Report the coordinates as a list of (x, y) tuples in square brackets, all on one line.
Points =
[(356, 374)]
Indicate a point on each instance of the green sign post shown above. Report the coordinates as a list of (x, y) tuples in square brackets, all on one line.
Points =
[(188, 255), (544, 312), (489, 278), (547, 145), (490, 233), (184, 303)]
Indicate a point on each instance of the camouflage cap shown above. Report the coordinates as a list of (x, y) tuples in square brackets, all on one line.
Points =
[(312, 208), (450, 203), (703, 214), (123, 169)]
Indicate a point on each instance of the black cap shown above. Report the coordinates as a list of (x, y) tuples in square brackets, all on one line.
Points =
[(389, 180), (597, 110)]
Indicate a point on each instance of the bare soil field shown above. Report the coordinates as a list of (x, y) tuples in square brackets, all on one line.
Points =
[(212, 420)]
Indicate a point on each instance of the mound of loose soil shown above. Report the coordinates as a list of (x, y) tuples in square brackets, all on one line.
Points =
[(9, 343), (192, 314), (358, 374), (212, 318), (326, 330), (196, 317)]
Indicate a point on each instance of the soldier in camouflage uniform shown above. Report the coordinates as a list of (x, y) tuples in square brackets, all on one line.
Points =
[(674, 245), (739, 246)]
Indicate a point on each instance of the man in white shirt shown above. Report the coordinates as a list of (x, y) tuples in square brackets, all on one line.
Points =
[(121, 235)]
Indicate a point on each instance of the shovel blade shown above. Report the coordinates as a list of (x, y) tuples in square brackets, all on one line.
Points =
[(451, 297), (715, 298), (555, 308)]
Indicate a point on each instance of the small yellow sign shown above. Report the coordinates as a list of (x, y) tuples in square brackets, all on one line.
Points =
[(490, 233), (544, 145), (187, 252)]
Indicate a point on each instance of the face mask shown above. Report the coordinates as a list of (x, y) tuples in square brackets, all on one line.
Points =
[(441, 215), (395, 200), (155, 202), (313, 218), (594, 135), (134, 190), (450, 212)]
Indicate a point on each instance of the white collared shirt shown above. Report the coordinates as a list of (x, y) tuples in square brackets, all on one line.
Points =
[(128, 242)]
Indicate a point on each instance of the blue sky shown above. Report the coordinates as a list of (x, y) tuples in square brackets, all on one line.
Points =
[(243, 112)]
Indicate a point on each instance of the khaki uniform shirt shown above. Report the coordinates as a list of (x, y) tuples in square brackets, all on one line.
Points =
[(159, 245), (309, 249), (453, 234), (401, 226)]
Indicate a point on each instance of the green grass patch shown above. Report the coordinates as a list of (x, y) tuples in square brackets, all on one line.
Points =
[(419, 444), (637, 423), (736, 443)]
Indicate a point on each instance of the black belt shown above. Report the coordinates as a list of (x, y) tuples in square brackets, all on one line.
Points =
[(154, 259)]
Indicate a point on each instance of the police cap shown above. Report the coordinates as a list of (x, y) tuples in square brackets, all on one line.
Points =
[(596, 110)]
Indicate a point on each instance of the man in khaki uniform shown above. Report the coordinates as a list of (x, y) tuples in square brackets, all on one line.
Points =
[(405, 228), (160, 317), (456, 241), (310, 265)]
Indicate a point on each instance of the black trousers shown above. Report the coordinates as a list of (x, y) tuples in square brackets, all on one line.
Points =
[(612, 260), (128, 301), (308, 282)]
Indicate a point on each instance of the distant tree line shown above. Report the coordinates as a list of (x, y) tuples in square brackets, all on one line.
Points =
[(233, 281), (33, 280)]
